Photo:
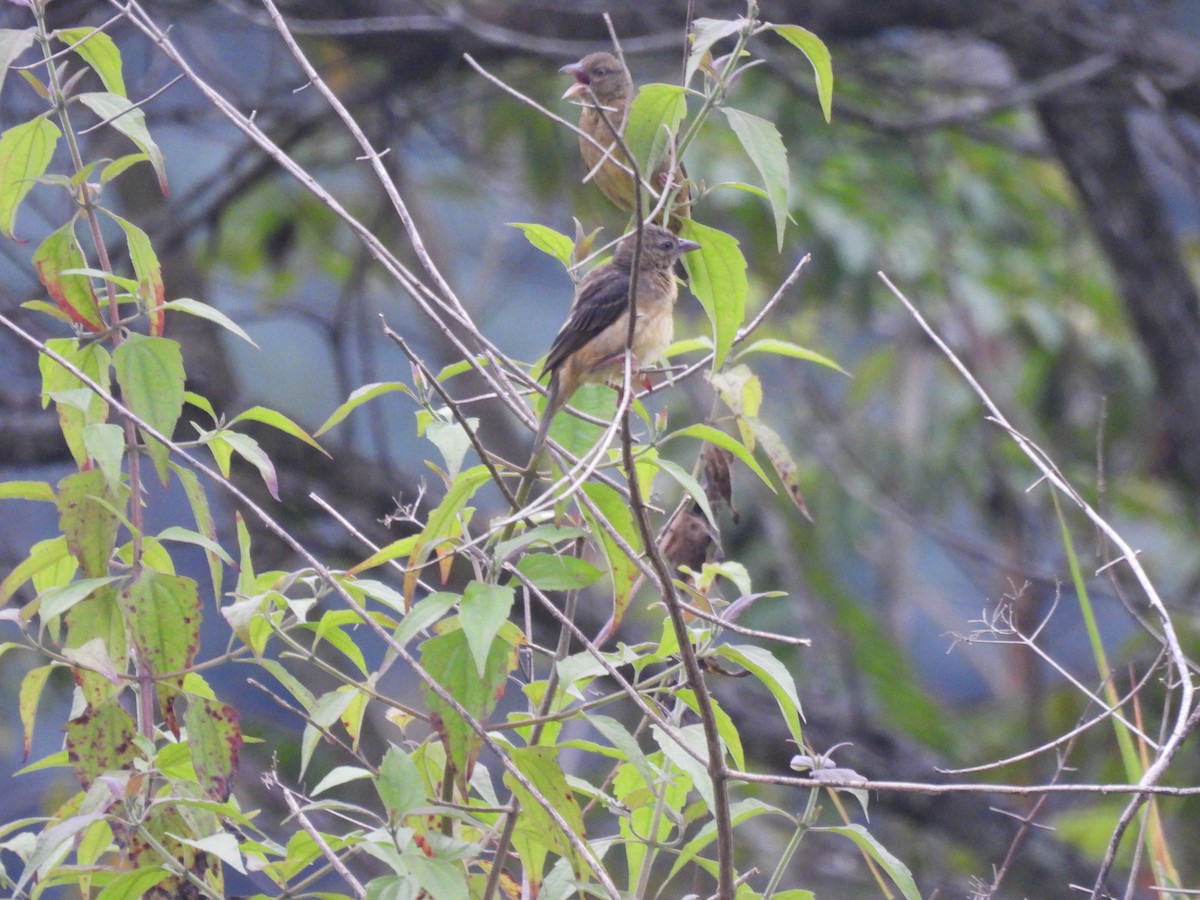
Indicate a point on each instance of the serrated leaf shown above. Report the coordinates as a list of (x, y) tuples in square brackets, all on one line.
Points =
[(787, 348), (818, 54), (150, 372), (100, 740), (717, 276), (762, 143), (25, 152), (358, 398), (539, 832), (100, 52), (131, 122), (547, 240), (60, 253)]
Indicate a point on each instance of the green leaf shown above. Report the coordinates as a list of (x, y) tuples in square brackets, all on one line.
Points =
[(818, 54), (739, 812), (27, 703), (121, 164), (205, 523), (148, 270), (717, 275), (340, 775), (424, 613), (163, 615), (622, 569), (898, 872), (93, 361), (442, 521), (249, 449), (131, 122), (721, 439), (762, 143), (58, 253), (357, 398), (216, 741), (25, 152), (625, 744), (552, 572), (150, 373), (400, 784), (542, 535), (105, 443), (276, 420), (212, 314), (725, 727), (57, 601), (705, 33), (394, 550), (187, 536), (134, 885), (774, 675), (787, 348), (13, 42), (26, 490), (449, 661), (652, 122), (452, 440), (98, 51), (86, 518), (485, 607), (547, 240), (536, 831), (688, 483)]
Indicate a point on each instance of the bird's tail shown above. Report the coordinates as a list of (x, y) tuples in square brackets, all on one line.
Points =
[(552, 405)]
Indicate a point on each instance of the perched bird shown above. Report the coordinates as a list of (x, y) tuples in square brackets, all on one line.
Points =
[(607, 80), (590, 347)]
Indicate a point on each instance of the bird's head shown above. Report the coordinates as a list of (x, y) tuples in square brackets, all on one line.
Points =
[(602, 74), (660, 248)]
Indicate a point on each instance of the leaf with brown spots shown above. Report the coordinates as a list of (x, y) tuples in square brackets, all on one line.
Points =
[(162, 613), (216, 742), (101, 740), (781, 460), (89, 524)]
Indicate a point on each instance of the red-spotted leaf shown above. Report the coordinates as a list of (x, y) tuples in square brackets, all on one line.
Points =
[(216, 741), (101, 740)]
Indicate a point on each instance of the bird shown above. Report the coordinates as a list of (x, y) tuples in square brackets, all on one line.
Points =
[(590, 346), (611, 87)]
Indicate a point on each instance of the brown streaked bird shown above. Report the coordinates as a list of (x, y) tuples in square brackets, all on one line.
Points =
[(590, 347), (607, 80)]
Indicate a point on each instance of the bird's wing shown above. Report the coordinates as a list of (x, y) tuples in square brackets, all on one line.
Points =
[(601, 302)]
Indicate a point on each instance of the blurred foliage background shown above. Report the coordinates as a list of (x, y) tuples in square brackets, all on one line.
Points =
[(1028, 177)]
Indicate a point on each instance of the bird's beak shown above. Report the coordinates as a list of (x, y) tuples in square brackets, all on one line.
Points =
[(686, 246), (581, 80)]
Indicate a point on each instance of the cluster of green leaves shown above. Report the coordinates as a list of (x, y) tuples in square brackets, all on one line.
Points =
[(155, 814)]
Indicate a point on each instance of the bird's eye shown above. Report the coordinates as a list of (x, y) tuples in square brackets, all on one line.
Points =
[(600, 72), (667, 244)]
